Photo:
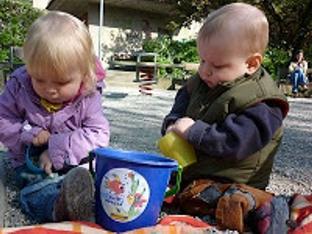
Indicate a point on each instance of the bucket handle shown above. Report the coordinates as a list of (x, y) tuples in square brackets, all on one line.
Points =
[(176, 188)]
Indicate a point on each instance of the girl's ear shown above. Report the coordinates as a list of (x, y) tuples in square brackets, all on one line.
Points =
[(253, 63)]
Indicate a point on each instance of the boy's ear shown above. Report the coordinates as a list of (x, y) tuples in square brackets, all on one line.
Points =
[(254, 62)]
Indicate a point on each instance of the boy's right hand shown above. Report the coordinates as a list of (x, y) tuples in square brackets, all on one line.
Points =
[(169, 128), (42, 138), (181, 126)]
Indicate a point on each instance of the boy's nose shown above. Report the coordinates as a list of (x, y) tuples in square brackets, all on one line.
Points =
[(207, 71)]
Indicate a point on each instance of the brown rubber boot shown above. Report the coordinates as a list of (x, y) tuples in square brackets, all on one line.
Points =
[(76, 198)]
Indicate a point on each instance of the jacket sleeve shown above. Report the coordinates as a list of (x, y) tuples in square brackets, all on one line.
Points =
[(305, 67), (13, 133), (71, 147), (239, 135), (178, 109), (292, 66)]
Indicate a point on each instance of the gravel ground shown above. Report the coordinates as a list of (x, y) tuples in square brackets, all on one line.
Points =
[(135, 125)]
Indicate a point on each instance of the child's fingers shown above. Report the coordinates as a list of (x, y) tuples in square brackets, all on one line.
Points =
[(48, 168), (170, 128), (41, 165), (35, 141), (40, 140)]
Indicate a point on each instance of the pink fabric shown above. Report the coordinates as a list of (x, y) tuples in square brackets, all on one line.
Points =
[(99, 70)]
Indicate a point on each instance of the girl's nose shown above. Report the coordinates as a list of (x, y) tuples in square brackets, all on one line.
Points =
[(51, 91)]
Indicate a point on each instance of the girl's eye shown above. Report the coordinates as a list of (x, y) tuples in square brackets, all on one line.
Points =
[(39, 81), (63, 82)]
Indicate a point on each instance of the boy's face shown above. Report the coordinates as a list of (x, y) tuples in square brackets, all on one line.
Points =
[(57, 91), (220, 61)]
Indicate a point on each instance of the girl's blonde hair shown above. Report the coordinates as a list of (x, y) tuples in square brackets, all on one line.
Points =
[(57, 44), (238, 22)]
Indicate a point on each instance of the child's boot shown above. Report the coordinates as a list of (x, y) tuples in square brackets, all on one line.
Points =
[(76, 198)]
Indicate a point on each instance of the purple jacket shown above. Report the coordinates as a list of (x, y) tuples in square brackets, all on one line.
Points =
[(75, 130)]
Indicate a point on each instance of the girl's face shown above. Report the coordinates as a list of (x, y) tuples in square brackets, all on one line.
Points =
[(220, 61), (300, 56), (55, 90)]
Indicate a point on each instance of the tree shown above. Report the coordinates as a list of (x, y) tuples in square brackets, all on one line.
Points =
[(15, 18), (290, 20), (291, 23)]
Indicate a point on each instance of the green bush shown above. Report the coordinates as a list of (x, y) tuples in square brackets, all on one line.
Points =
[(170, 51), (274, 59), (15, 18)]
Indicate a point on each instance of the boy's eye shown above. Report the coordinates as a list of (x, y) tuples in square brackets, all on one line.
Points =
[(219, 66)]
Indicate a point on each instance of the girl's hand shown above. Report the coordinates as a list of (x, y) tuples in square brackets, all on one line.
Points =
[(42, 138), (45, 162), (182, 126)]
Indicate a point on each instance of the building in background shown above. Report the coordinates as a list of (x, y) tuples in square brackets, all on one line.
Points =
[(126, 22)]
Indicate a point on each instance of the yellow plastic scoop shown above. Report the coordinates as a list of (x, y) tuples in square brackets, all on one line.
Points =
[(173, 146)]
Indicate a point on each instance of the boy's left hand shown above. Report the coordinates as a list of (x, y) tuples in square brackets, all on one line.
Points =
[(45, 162), (182, 125)]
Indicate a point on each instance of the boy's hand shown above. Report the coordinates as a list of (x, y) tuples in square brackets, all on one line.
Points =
[(45, 162), (182, 126), (169, 128), (42, 138)]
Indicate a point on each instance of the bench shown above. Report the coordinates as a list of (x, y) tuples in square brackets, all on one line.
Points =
[(145, 65)]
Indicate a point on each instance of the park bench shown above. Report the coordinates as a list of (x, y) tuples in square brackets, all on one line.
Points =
[(144, 63)]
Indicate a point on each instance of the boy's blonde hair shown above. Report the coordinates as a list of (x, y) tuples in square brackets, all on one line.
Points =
[(58, 43), (238, 22)]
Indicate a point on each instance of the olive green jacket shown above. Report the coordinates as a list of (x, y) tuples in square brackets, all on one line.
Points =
[(214, 105)]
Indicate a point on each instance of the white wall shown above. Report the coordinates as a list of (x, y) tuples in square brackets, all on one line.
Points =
[(124, 29), (188, 33), (41, 4)]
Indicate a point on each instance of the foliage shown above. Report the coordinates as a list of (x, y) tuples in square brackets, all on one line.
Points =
[(290, 25), (160, 46), (274, 59), (290, 21), (15, 18), (172, 52)]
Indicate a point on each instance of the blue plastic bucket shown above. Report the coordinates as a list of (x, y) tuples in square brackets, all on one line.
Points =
[(130, 188)]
